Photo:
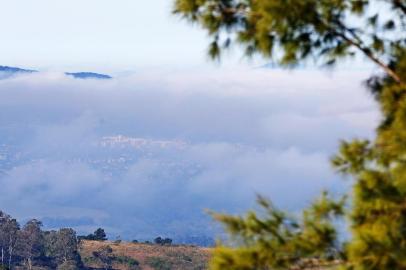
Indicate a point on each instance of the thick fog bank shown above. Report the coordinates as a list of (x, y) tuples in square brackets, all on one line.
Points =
[(144, 155)]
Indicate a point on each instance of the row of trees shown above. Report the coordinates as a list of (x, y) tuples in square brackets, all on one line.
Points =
[(291, 32), (163, 241), (98, 235), (29, 245)]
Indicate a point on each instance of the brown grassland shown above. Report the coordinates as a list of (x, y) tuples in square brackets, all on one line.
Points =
[(148, 256), (163, 257)]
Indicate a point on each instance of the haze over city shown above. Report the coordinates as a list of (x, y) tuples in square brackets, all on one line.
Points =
[(172, 134)]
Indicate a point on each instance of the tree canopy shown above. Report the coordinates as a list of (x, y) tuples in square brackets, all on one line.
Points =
[(29, 246), (290, 32)]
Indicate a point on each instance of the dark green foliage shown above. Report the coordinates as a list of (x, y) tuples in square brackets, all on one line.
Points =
[(162, 241), (158, 240), (167, 241), (29, 246), (98, 235)]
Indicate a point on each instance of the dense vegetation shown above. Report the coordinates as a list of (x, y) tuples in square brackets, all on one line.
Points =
[(30, 247), (290, 32)]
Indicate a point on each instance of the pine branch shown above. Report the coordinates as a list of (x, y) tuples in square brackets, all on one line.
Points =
[(357, 42), (367, 52), (399, 5)]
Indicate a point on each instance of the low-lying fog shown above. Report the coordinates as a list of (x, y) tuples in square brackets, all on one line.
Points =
[(146, 154)]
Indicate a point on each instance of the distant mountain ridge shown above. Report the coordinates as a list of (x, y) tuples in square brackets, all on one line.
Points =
[(15, 70), (88, 75), (9, 71)]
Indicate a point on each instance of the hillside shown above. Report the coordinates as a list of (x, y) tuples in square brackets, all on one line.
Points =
[(125, 256), (140, 256)]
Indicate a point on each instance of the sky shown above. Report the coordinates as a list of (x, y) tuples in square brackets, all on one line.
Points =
[(146, 153), (98, 34)]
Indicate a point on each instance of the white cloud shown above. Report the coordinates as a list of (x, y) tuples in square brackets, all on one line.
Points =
[(228, 134)]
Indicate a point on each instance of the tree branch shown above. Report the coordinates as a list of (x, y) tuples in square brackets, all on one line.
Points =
[(356, 41), (398, 4), (367, 52)]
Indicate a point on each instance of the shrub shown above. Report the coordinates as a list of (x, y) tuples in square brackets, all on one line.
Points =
[(161, 241), (159, 263), (126, 260)]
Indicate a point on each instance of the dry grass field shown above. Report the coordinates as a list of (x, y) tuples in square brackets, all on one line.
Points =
[(137, 256), (147, 256)]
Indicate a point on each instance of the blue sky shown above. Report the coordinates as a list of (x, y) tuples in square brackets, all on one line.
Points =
[(117, 35), (106, 36)]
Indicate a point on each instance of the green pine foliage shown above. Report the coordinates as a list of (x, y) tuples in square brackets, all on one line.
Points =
[(274, 240), (378, 215), (290, 32)]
